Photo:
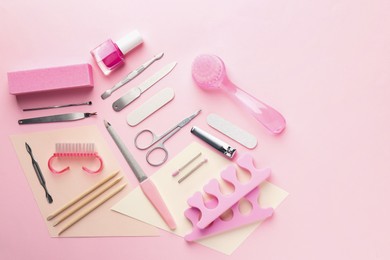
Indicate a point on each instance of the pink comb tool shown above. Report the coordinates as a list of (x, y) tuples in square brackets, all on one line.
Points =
[(71, 150), (199, 212)]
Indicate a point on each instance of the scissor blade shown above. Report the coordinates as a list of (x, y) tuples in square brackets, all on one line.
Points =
[(188, 119), (195, 114)]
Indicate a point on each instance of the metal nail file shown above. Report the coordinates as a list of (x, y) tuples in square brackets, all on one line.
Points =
[(146, 184), (58, 106), (56, 118), (131, 75), (135, 92)]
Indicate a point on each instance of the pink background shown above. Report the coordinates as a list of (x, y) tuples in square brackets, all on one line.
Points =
[(325, 65)]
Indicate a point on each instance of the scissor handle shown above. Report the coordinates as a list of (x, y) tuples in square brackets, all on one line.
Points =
[(161, 148), (154, 139)]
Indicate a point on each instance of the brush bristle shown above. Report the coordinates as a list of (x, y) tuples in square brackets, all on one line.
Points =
[(75, 149), (208, 71)]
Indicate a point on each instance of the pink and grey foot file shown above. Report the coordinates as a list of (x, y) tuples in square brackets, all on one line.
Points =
[(146, 184)]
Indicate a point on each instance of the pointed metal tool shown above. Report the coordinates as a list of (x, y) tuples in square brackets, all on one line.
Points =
[(39, 174), (135, 92), (131, 75), (56, 118)]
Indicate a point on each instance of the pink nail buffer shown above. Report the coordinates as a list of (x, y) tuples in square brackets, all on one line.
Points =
[(56, 78)]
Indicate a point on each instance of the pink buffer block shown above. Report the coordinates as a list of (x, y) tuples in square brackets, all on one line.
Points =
[(56, 78), (225, 202)]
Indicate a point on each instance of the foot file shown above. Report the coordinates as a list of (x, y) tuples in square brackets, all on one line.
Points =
[(232, 131), (149, 107)]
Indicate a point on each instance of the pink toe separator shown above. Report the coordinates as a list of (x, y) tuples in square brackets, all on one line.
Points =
[(238, 219), (206, 221)]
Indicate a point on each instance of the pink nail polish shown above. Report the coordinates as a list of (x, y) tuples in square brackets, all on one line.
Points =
[(110, 55)]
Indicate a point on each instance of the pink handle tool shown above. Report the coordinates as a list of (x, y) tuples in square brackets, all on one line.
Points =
[(81, 150), (153, 195), (209, 72)]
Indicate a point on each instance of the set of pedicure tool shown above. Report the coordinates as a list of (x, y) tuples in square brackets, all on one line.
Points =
[(208, 73)]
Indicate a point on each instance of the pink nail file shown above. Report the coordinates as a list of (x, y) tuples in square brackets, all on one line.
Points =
[(225, 202), (56, 78), (238, 219)]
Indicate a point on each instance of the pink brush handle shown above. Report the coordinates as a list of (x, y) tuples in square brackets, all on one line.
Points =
[(51, 168), (98, 170), (266, 115), (154, 197)]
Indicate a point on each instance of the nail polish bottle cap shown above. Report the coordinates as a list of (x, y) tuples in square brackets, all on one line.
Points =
[(129, 42)]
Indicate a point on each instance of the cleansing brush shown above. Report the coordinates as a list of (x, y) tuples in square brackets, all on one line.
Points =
[(209, 73)]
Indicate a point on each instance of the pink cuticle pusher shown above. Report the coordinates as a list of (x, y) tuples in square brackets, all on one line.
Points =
[(146, 184)]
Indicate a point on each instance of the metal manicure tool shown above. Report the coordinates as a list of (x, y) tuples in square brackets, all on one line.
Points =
[(131, 75), (39, 174), (59, 106), (221, 146), (135, 92), (56, 118), (162, 138)]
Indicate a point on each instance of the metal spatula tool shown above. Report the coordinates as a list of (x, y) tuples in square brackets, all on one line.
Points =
[(131, 76), (136, 92)]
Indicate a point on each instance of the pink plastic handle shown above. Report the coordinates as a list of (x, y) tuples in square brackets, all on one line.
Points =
[(51, 168), (266, 115), (96, 171), (50, 162), (153, 195)]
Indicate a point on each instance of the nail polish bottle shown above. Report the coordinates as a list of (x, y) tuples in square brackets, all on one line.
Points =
[(110, 55)]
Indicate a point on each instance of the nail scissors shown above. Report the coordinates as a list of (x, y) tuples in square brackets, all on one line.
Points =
[(161, 139)]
